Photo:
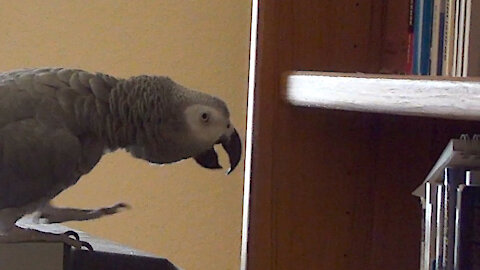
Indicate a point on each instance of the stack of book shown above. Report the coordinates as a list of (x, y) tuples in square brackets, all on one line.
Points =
[(450, 197), (444, 38)]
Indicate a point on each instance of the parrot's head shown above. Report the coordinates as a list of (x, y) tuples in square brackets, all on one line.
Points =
[(209, 124), (181, 123)]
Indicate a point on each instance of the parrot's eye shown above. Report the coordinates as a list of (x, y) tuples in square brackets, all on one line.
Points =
[(205, 117)]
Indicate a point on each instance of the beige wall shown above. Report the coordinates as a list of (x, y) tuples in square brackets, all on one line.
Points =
[(183, 212)]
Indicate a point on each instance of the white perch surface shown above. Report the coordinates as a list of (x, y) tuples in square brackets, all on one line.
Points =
[(455, 98)]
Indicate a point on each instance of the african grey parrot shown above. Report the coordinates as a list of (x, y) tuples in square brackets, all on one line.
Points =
[(56, 123)]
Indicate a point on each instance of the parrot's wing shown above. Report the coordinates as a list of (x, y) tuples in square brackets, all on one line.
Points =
[(37, 162), (42, 144)]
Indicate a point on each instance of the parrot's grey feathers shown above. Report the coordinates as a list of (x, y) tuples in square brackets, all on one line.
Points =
[(65, 74), (15, 106), (77, 85), (50, 79), (56, 123), (99, 88), (37, 162)]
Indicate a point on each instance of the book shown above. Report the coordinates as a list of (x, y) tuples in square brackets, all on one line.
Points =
[(426, 38), (440, 212), (435, 37), (457, 166), (423, 19), (460, 70), (445, 39), (448, 37), (417, 35), (423, 246), (466, 38), (455, 38), (441, 37), (467, 248), (410, 43), (430, 227), (454, 177), (472, 39)]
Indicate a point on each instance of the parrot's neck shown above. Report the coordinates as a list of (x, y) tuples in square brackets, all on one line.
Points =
[(125, 116), (116, 134), (106, 120), (104, 126)]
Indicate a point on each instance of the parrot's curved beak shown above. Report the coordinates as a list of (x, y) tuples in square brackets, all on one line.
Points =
[(232, 145)]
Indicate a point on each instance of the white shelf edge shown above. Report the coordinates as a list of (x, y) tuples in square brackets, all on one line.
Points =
[(440, 97)]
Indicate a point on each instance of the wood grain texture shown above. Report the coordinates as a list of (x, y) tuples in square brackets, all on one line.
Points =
[(332, 189), (412, 95), (260, 246), (279, 23), (394, 39)]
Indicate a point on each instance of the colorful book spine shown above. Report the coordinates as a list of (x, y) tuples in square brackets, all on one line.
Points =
[(426, 37), (461, 39), (455, 39), (417, 36), (441, 37), (435, 38), (410, 42), (466, 41), (448, 37)]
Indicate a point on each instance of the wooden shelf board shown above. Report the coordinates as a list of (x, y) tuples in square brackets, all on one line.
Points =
[(440, 97)]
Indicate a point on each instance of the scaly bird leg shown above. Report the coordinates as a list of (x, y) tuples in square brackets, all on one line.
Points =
[(52, 214), (18, 234)]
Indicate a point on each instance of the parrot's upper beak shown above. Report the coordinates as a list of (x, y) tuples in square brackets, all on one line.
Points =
[(232, 144)]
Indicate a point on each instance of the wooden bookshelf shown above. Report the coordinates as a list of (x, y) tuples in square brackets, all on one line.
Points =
[(332, 189)]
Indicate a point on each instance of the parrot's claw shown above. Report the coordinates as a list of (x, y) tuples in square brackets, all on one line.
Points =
[(114, 209), (72, 233), (75, 241), (87, 245)]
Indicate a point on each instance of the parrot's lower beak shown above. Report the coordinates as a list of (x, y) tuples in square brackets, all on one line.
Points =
[(232, 145), (208, 159)]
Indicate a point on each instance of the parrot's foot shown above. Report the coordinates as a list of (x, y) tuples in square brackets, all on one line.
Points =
[(18, 235), (52, 214), (77, 237)]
